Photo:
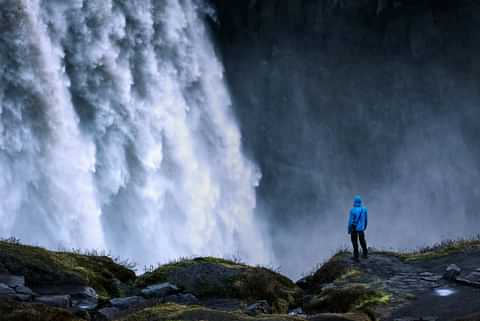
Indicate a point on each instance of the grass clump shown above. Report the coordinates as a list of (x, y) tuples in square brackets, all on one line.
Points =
[(15, 311), (441, 249), (46, 268), (349, 299)]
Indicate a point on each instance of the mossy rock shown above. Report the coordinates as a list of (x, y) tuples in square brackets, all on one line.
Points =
[(347, 299), (335, 268), (209, 277), (168, 312), (48, 268), (15, 311)]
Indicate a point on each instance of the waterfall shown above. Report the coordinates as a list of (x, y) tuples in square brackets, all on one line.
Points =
[(116, 132)]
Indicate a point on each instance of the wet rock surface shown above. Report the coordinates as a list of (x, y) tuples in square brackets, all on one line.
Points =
[(62, 301), (160, 290), (126, 303)]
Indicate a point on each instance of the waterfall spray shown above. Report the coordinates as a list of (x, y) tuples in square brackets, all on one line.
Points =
[(116, 132)]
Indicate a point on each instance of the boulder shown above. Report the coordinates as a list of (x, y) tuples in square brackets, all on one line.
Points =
[(159, 290), (185, 299), (67, 289), (451, 272), (12, 280), (109, 313), (63, 301), (125, 303), (82, 297)]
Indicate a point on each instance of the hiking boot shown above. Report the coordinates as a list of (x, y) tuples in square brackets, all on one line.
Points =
[(365, 256), (355, 259)]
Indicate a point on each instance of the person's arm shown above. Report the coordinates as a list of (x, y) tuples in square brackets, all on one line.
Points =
[(366, 217), (350, 219)]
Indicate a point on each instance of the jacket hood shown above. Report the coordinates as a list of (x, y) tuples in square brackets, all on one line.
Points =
[(357, 201)]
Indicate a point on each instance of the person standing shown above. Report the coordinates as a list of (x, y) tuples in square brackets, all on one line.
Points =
[(357, 224)]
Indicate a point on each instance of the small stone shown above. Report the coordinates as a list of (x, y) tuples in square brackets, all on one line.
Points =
[(452, 272), (12, 280), (159, 290), (109, 313), (62, 301), (125, 303)]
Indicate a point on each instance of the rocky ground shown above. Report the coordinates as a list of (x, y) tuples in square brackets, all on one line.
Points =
[(438, 283)]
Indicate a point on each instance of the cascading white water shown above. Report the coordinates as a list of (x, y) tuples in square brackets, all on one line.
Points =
[(116, 132)]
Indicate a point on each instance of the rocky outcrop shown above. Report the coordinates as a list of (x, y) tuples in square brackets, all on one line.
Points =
[(212, 277), (386, 285), (48, 271)]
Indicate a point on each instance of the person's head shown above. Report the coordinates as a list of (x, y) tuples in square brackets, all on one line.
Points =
[(357, 201)]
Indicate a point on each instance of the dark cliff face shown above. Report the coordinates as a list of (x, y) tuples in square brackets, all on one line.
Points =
[(376, 97)]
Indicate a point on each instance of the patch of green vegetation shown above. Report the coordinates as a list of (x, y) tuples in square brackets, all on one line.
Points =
[(350, 275), (170, 312), (348, 299), (15, 311), (45, 268), (441, 249)]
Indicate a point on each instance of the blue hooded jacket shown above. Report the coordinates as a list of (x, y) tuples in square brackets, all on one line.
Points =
[(358, 216)]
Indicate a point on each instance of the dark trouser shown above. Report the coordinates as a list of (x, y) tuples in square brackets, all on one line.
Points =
[(355, 237)]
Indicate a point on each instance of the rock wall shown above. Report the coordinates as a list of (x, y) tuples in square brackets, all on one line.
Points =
[(377, 97)]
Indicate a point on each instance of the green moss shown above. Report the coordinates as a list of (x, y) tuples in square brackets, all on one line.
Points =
[(349, 275), (42, 267), (15, 311), (349, 299), (169, 312)]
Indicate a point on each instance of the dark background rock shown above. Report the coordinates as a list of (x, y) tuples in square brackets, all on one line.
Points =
[(336, 98)]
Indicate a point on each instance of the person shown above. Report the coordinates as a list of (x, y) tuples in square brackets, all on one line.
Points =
[(357, 224)]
